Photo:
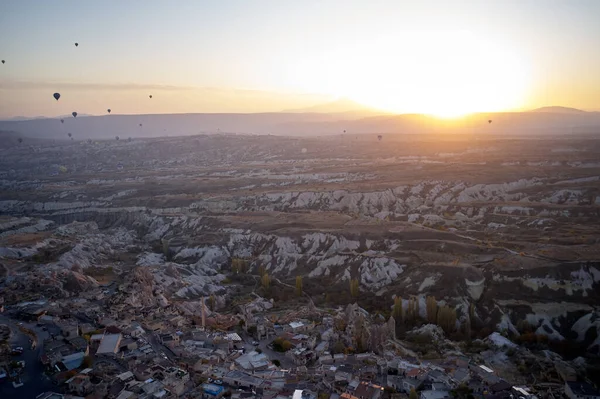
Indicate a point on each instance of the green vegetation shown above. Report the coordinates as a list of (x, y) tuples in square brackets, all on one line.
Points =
[(281, 345), (166, 249), (432, 309), (239, 265), (398, 311), (299, 285), (446, 318), (354, 288), (265, 280)]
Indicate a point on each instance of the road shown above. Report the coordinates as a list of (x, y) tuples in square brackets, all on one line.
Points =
[(33, 378), (154, 341)]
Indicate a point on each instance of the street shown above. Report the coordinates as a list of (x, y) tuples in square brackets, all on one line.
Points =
[(33, 378)]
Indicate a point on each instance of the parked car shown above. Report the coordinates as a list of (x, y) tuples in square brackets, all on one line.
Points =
[(218, 382)]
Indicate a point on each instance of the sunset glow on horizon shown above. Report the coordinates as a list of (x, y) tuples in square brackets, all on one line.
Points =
[(444, 58)]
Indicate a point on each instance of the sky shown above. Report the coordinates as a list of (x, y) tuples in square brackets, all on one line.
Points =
[(446, 57)]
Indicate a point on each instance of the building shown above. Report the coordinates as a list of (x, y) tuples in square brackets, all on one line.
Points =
[(252, 361), (240, 379), (431, 394), (71, 362), (80, 384), (109, 345), (212, 390), (581, 390)]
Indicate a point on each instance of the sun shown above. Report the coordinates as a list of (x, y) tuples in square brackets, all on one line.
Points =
[(446, 74)]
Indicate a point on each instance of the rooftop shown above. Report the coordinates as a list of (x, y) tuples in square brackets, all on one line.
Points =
[(109, 344)]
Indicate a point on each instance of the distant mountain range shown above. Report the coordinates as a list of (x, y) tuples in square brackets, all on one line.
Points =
[(560, 110), (341, 106), (327, 119)]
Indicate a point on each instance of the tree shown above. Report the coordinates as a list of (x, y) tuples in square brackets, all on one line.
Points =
[(299, 285), (261, 270), (432, 309), (413, 394), (238, 265), (165, 247), (212, 302), (87, 362), (413, 309), (265, 281), (276, 362), (354, 288), (398, 311), (447, 319)]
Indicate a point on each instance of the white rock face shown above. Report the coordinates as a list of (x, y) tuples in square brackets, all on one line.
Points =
[(475, 288), (379, 272), (501, 341), (428, 282)]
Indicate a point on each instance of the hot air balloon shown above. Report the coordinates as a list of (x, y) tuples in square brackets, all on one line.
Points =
[(3, 61), (62, 121), (74, 114), (150, 96), (56, 96), (141, 125), (129, 139), (379, 137), (490, 121), (69, 134), (117, 138), (20, 140), (76, 44), (108, 110)]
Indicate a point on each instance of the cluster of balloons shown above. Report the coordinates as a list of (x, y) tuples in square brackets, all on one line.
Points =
[(74, 113)]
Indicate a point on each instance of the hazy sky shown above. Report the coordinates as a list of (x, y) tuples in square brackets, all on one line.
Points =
[(442, 56)]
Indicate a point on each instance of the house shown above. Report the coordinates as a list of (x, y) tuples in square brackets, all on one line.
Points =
[(366, 390), (297, 327), (460, 375), (439, 376), (581, 390), (80, 344), (126, 377), (128, 344), (432, 394), (321, 348), (404, 384), (252, 361), (238, 378), (169, 338), (212, 390), (80, 384), (109, 345), (69, 328), (71, 362), (175, 380)]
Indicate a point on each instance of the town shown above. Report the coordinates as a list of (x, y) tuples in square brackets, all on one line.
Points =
[(89, 347)]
